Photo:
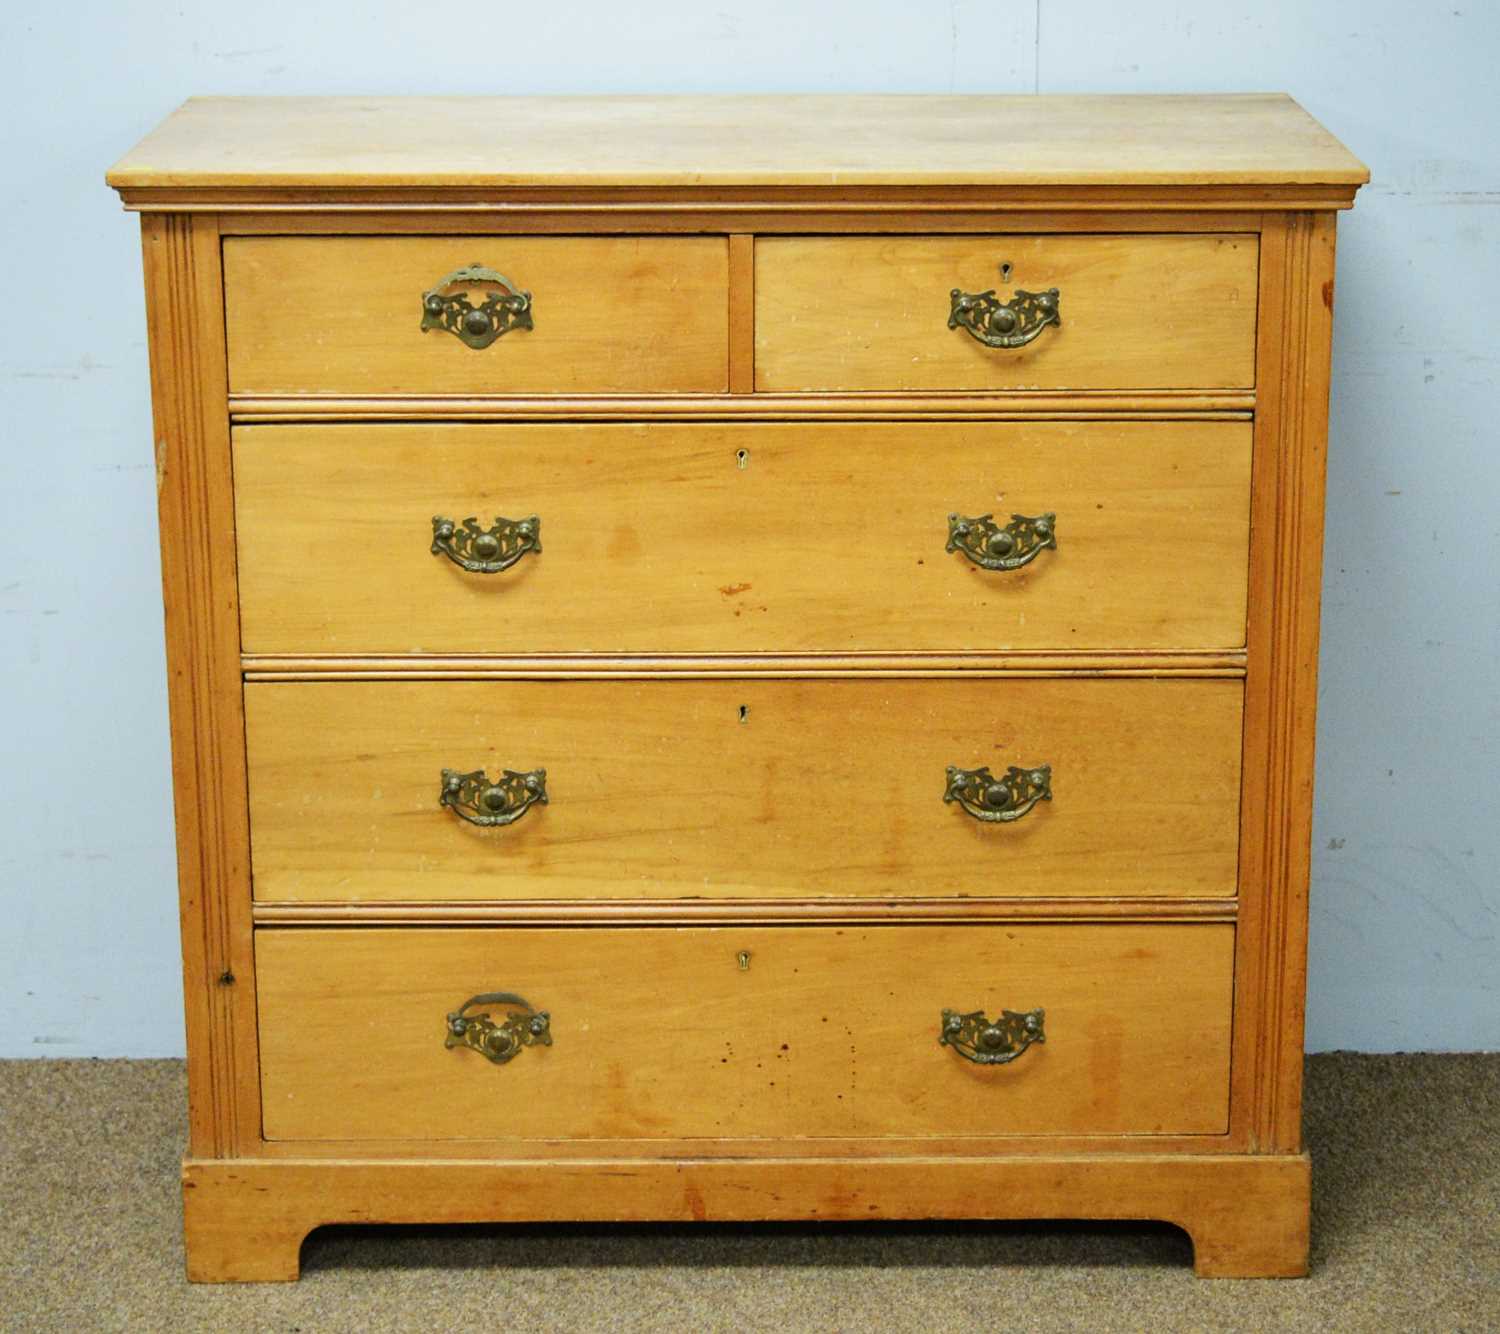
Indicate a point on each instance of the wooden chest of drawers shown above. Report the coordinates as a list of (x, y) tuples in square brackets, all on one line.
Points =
[(795, 703)]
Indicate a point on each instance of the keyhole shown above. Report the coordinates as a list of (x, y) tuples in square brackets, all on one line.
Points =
[(744, 960), (1005, 272), (744, 713), (742, 459)]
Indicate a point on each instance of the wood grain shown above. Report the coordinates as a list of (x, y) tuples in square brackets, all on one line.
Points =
[(1137, 312), (1015, 405), (1014, 664), (1247, 1216), (317, 314), (744, 911), (1281, 682), (742, 314), (752, 213), (662, 1032), (185, 329), (665, 789), (439, 142), (758, 538)]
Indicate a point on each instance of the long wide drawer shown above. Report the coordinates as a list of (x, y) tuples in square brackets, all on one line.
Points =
[(734, 788), (374, 315), (709, 538), (935, 313), (658, 1033)]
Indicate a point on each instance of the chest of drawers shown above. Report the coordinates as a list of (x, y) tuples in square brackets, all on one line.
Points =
[(741, 658)]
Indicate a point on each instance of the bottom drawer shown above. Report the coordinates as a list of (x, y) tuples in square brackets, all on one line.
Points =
[(667, 1033)]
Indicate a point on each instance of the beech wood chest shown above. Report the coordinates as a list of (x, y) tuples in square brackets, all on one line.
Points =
[(742, 658)]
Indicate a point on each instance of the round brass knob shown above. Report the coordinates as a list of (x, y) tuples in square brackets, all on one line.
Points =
[(1000, 543), (1043, 529), (1003, 320), (487, 546), (1046, 302), (991, 1038), (476, 323), (500, 1043), (434, 304), (494, 799), (997, 795)]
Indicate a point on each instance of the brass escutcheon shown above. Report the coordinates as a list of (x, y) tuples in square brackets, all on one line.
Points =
[(476, 326), (991, 1042), (486, 550), (998, 323), (474, 798), (498, 1041), (995, 546), (999, 800)]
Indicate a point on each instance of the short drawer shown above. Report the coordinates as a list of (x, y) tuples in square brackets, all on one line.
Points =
[(346, 315), (714, 538), (888, 313), (742, 788), (659, 1033)]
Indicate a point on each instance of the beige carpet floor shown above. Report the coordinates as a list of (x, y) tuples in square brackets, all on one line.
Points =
[(1406, 1236)]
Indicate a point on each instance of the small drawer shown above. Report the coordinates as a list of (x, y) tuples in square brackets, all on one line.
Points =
[(934, 313), (428, 315), (756, 788), (713, 538), (658, 1034)]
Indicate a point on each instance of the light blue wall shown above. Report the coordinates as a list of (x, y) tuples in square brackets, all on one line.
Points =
[(1407, 839)]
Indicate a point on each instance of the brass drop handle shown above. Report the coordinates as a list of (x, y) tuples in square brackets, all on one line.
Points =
[(1007, 546), (486, 550), (1004, 323), (498, 312), (991, 1042), (498, 1041), (999, 800), (473, 797)]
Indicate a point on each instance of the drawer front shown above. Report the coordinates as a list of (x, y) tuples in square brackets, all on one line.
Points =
[(661, 1033), (743, 538), (344, 315), (1134, 312), (743, 788)]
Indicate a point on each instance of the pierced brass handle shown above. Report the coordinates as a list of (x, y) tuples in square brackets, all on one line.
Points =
[(486, 550), (476, 326), (997, 323), (474, 798), (498, 1042), (999, 800), (1002, 546), (977, 1039)]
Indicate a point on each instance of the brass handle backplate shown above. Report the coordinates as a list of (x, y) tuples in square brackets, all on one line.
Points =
[(999, 323), (474, 798), (486, 550), (1006, 546), (476, 326), (987, 1042), (999, 800), (498, 1041)]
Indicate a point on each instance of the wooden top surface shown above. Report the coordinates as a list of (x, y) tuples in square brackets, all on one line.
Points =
[(829, 141)]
